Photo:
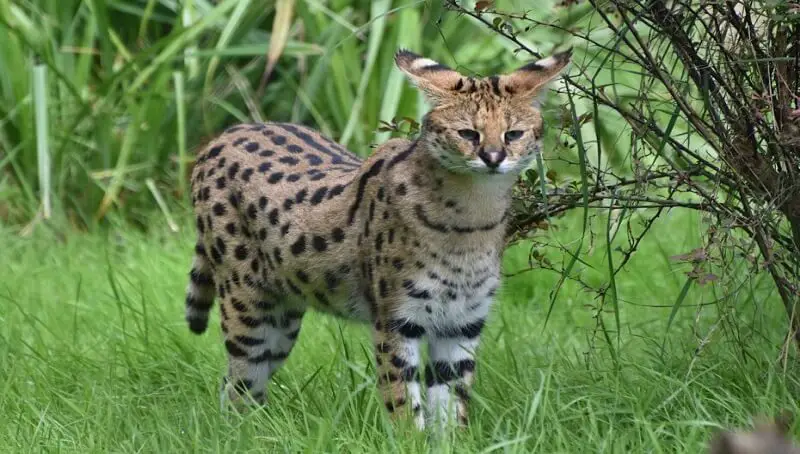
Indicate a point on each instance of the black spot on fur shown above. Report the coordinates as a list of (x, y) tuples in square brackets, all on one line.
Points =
[(319, 243), (301, 195), (215, 151), (336, 190), (331, 281), (289, 160), (233, 170), (248, 172), (318, 195), (313, 160), (299, 246), (219, 209)]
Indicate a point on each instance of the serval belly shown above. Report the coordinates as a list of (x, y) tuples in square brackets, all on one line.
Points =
[(408, 240)]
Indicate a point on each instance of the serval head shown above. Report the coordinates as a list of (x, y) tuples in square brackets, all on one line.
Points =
[(488, 125), (767, 438)]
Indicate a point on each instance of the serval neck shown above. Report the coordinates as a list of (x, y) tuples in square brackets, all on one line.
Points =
[(461, 199)]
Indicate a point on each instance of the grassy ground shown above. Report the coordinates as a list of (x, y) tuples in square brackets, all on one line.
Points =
[(95, 357)]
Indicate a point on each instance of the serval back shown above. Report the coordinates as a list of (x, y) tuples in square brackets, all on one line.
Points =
[(408, 240)]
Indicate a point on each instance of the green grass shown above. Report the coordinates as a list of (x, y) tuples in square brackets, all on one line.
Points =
[(95, 357)]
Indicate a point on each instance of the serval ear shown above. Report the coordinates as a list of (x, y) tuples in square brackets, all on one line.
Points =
[(439, 82), (528, 80)]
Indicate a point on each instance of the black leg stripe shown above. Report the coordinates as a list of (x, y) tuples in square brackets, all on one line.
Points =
[(250, 341), (268, 355), (443, 372), (399, 362), (469, 331), (410, 374), (234, 350), (406, 329), (252, 322)]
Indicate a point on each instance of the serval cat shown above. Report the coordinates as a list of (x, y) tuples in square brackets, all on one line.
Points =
[(408, 240)]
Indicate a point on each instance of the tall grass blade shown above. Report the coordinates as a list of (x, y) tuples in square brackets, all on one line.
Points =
[(281, 25), (678, 303), (181, 139), (225, 37), (584, 199), (408, 36), (42, 136), (151, 185), (189, 55), (377, 27)]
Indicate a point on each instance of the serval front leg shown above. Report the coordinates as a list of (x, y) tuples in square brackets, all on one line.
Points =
[(397, 358), (449, 375)]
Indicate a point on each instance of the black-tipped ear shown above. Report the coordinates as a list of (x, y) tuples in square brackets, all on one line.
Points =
[(436, 80), (530, 78)]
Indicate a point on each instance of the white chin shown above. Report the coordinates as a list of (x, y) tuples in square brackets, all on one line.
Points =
[(479, 166)]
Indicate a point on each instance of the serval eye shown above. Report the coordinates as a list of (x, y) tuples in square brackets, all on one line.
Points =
[(470, 134), (511, 136)]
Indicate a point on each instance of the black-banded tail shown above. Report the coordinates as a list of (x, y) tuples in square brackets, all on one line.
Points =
[(200, 292)]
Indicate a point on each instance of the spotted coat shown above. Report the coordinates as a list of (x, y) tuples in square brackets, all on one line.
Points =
[(408, 240)]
